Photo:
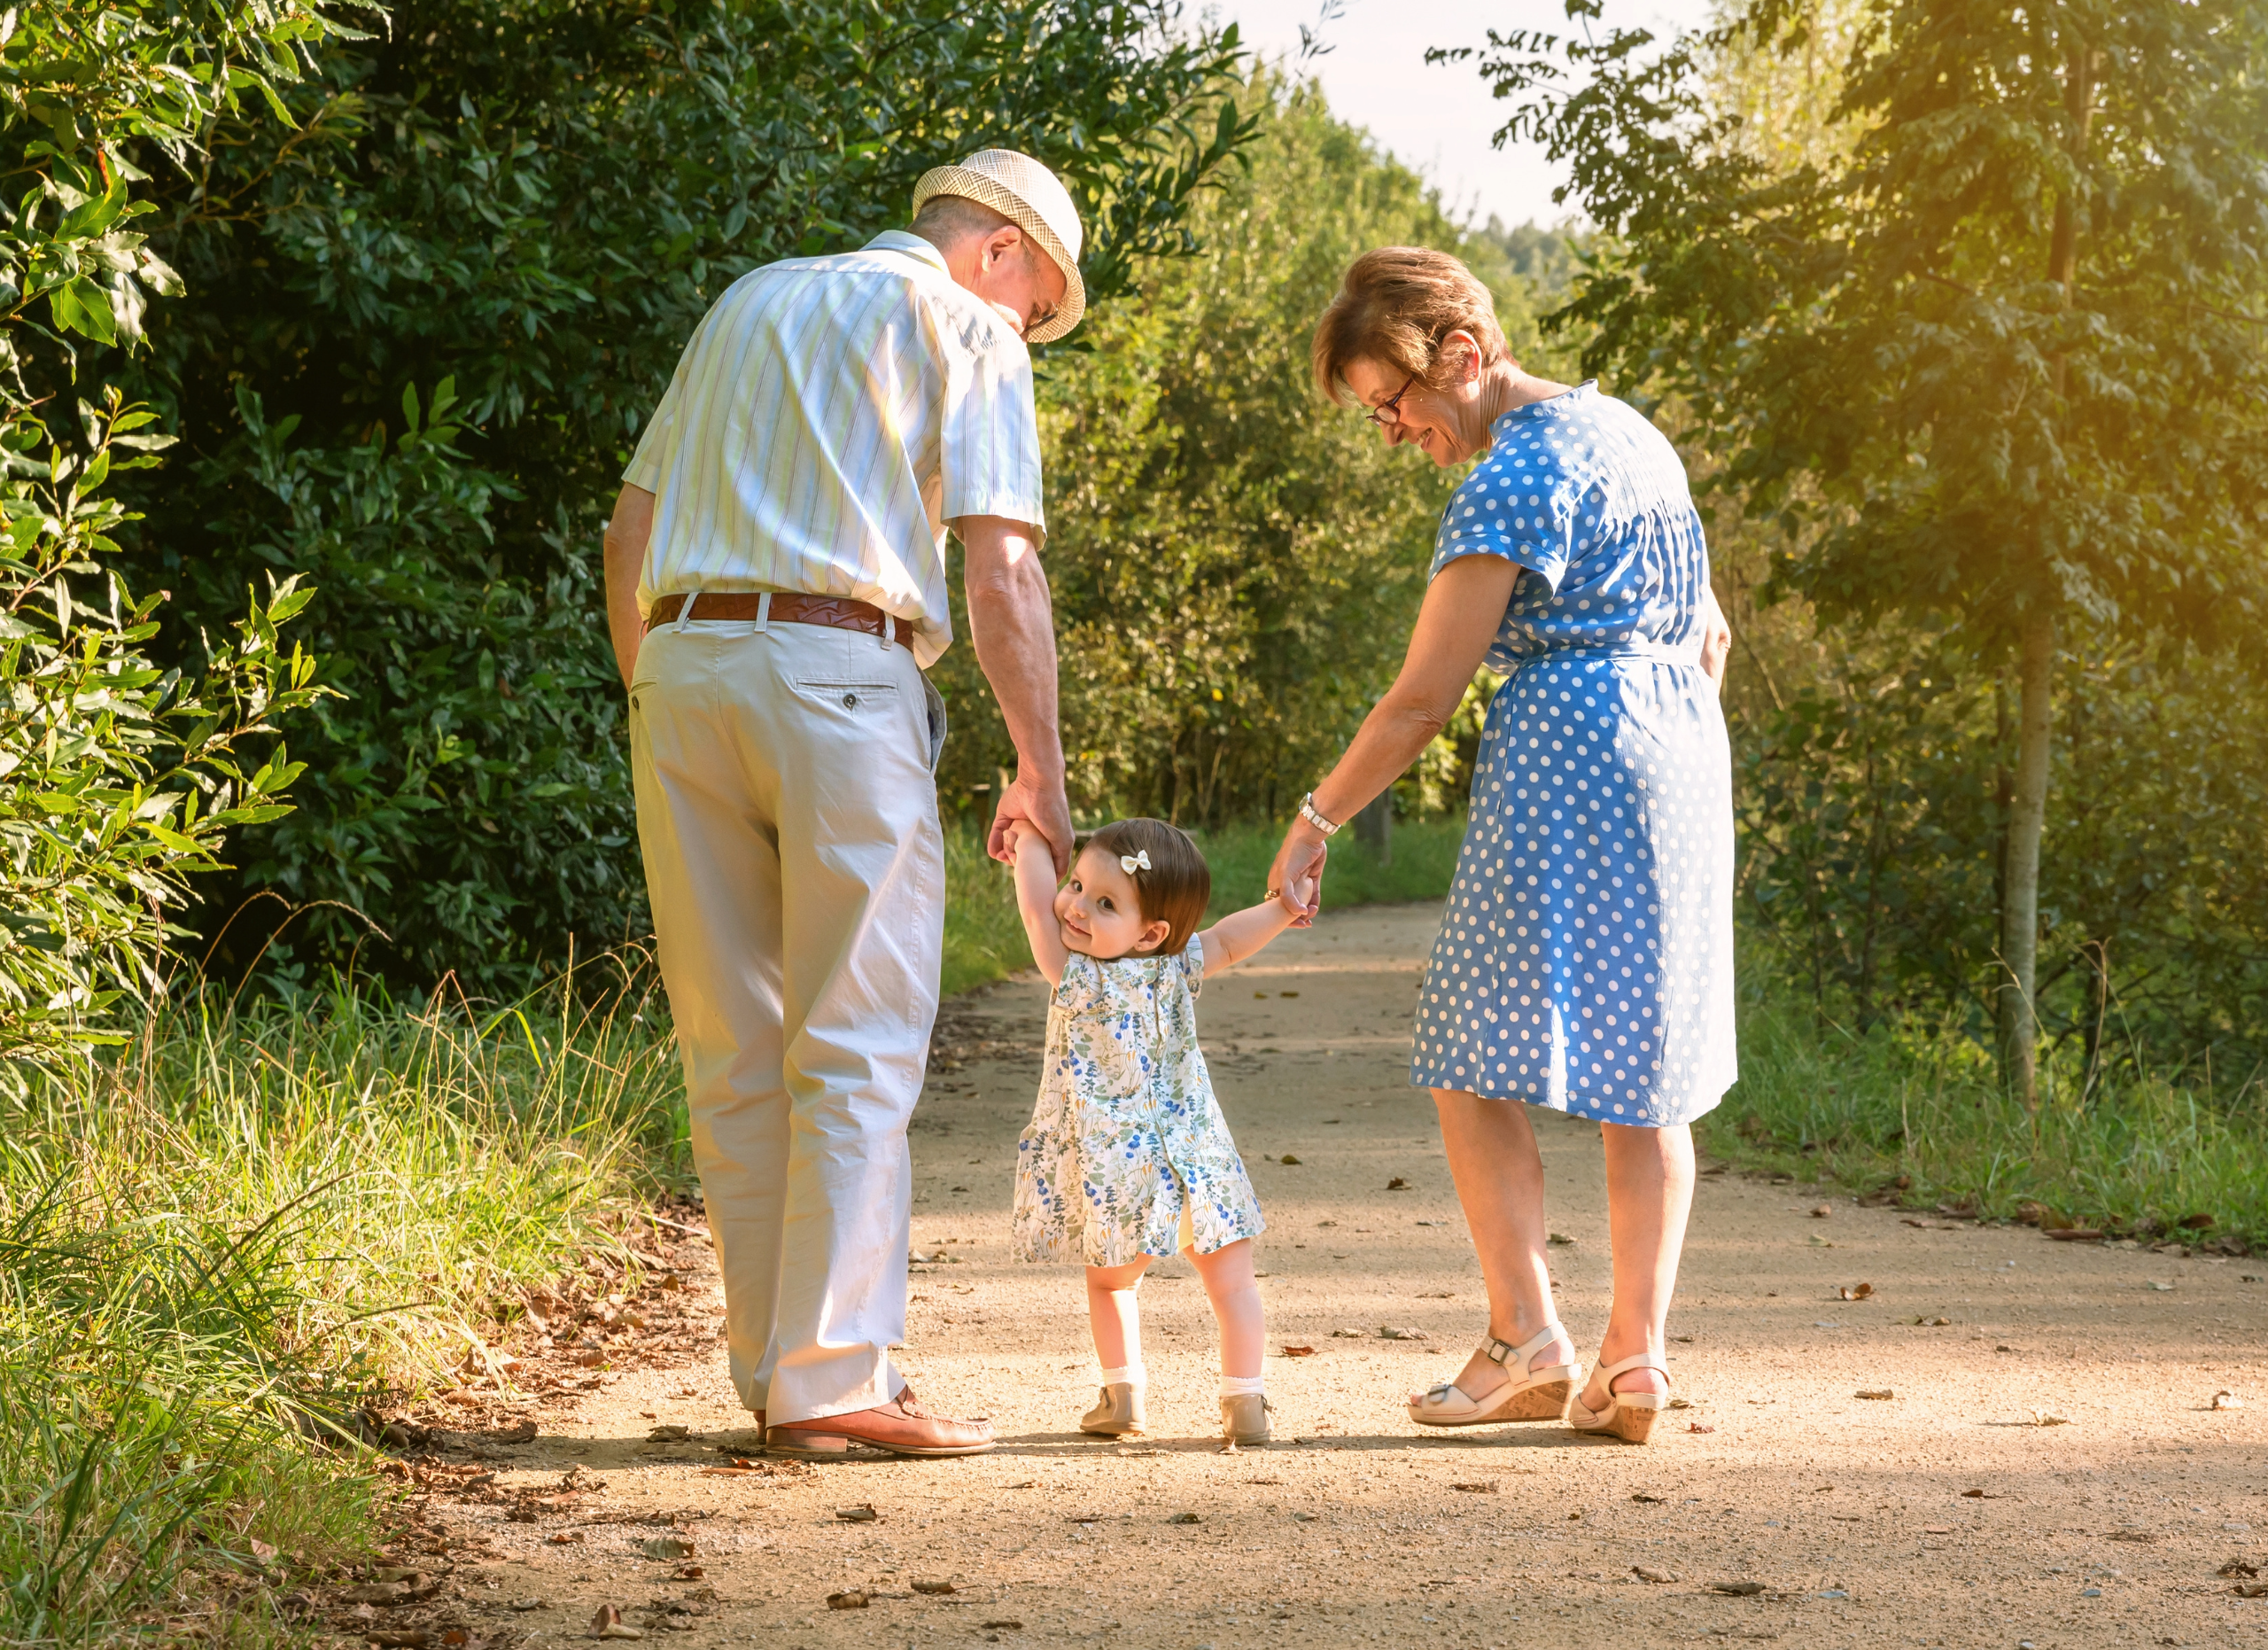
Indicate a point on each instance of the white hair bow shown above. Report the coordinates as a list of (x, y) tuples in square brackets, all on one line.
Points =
[(1131, 863)]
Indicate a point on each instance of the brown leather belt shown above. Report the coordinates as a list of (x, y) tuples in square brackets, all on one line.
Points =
[(835, 611)]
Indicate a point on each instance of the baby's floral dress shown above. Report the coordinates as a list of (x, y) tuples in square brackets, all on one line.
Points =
[(1127, 1154)]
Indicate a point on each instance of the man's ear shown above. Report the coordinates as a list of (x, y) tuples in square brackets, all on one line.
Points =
[(1001, 243), (1153, 935)]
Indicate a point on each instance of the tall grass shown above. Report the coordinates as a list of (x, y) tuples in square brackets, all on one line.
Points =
[(212, 1251), (1917, 1111)]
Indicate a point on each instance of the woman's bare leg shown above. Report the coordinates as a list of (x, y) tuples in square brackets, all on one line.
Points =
[(1234, 1290), (1499, 1175), (1649, 1194), (1114, 1314)]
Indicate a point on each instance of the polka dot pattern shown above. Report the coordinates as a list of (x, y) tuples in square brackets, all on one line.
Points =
[(1584, 957)]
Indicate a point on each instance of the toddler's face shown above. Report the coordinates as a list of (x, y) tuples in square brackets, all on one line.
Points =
[(1099, 911)]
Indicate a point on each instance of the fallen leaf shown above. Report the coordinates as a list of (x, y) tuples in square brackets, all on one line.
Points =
[(1822, 1210), (1694, 1426), (1739, 1589), (1388, 1332), (862, 1513), (669, 1432), (2041, 1418), (2163, 1289), (565, 1537), (1561, 1240), (1875, 1392), (527, 1604), (854, 1599), (1817, 1241), (1288, 1158), (2076, 1234), (1656, 1575), (1184, 1518), (1397, 1185), (1681, 1403), (1856, 1292), (1486, 1486), (933, 1587), (2237, 1568), (1907, 1220), (1981, 1495), (2221, 1400), (687, 1572), (2250, 1589), (1347, 1335), (2195, 1223), (265, 1554), (519, 1432), (1299, 1351), (667, 1547), (1432, 1223), (1643, 1499), (609, 1615)]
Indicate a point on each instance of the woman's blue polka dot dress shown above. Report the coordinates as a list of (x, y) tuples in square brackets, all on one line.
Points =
[(1585, 961)]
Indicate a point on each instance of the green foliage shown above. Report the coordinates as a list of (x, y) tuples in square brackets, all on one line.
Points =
[(212, 1253), (1235, 564), (1911, 1111), (118, 777), (534, 201)]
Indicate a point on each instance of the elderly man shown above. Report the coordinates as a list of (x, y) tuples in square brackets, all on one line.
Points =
[(775, 587)]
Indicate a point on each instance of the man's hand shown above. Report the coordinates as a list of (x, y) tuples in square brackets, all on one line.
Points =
[(626, 534), (1013, 627), (1036, 810)]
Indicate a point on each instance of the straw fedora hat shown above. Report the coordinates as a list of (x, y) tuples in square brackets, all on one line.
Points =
[(1027, 195)]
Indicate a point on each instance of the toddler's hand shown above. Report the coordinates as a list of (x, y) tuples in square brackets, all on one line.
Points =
[(1302, 889)]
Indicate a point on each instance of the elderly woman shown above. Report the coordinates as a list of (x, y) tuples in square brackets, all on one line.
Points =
[(1584, 957)]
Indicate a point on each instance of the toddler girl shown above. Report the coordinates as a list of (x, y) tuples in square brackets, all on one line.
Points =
[(1127, 1156)]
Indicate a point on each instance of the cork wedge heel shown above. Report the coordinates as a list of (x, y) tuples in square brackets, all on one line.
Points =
[(1629, 1416)]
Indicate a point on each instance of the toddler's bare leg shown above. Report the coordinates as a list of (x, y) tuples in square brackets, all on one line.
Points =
[(1235, 1294), (1114, 1315)]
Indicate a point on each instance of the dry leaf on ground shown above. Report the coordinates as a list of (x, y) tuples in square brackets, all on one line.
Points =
[(1288, 1158), (1397, 1185), (2225, 1400), (1822, 1210), (2237, 1569), (667, 1547), (1855, 1291), (1186, 1518), (1643, 1499), (669, 1432), (1657, 1575), (1696, 1426), (854, 1599), (1875, 1392), (2250, 1589), (1299, 1351), (1486, 1486), (862, 1513), (2041, 1418), (933, 1587), (1388, 1331), (1739, 1589)]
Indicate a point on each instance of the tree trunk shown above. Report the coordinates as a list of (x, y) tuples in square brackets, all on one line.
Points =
[(2019, 1016), (1374, 825)]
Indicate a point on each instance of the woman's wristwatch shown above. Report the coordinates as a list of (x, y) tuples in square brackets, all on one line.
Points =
[(1307, 813)]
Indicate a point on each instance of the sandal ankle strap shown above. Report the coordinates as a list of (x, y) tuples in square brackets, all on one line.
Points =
[(1505, 1355), (1642, 1360)]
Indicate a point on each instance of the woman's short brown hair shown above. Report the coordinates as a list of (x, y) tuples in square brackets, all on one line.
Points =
[(1396, 307), (1177, 886)]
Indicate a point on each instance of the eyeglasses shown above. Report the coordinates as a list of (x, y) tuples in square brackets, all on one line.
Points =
[(1389, 410)]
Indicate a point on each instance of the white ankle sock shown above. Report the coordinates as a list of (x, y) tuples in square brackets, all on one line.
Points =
[(1130, 1375), (1240, 1386)]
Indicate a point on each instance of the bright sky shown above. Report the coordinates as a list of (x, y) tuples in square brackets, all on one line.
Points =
[(1438, 120)]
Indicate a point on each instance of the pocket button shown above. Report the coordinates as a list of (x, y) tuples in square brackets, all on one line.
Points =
[(849, 701)]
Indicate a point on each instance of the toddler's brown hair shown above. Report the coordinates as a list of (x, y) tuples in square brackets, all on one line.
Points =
[(1177, 886)]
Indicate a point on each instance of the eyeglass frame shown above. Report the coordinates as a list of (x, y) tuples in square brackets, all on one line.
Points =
[(1391, 404)]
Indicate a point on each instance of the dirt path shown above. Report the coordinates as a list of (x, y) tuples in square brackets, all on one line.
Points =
[(1855, 1521)]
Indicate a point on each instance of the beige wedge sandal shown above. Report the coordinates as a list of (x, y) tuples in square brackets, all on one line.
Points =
[(1629, 1416), (1530, 1395), (1118, 1415)]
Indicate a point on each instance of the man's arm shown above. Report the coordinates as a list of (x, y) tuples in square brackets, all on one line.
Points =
[(1013, 625), (626, 532)]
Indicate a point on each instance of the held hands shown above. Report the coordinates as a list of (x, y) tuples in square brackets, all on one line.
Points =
[(1297, 875), (1032, 808)]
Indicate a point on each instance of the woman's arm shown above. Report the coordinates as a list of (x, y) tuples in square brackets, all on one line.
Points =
[(1463, 609), (1035, 897), (1244, 934)]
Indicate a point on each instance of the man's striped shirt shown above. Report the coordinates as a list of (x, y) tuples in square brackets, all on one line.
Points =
[(829, 416)]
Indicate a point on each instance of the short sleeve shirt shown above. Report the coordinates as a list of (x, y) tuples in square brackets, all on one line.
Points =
[(828, 420)]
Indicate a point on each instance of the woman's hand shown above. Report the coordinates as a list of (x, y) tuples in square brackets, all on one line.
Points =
[(1716, 641), (1296, 879)]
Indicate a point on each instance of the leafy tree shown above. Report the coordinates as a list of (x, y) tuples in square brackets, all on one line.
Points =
[(118, 778), (1990, 356), (1236, 564), (507, 216)]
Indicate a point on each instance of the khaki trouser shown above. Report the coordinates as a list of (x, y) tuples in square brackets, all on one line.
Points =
[(788, 821)]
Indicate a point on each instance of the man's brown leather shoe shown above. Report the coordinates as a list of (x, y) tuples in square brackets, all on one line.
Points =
[(901, 1427)]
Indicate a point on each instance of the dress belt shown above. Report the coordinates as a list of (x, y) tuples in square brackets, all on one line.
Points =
[(835, 611), (1660, 653)]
